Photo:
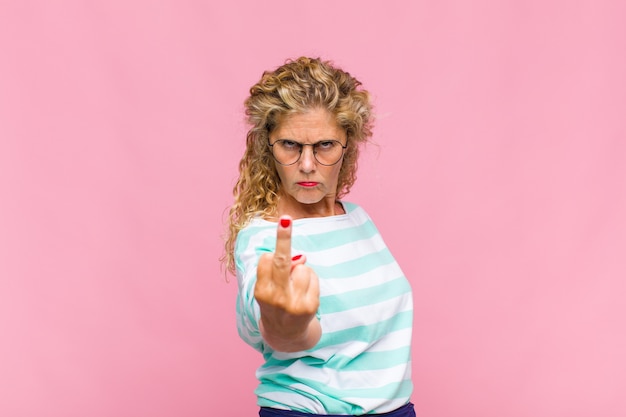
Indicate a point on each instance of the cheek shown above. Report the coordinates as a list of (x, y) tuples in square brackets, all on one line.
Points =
[(283, 173), (333, 174)]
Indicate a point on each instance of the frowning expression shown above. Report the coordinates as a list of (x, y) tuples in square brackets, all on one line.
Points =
[(307, 181)]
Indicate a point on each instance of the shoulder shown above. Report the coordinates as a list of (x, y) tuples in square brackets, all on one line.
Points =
[(257, 236), (351, 207), (255, 239), (355, 211), (256, 229)]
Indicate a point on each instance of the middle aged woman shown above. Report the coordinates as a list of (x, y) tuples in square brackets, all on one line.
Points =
[(320, 295)]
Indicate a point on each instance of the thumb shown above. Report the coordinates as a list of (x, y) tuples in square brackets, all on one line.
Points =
[(297, 260)]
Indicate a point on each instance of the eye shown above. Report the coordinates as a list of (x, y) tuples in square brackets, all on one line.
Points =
[(326, 145), (289, 144)]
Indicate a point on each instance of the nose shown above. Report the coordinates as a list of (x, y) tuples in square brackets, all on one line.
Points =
[(307, 159)]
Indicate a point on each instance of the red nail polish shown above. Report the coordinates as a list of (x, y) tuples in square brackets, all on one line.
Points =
[(285, 222), (295, 258)]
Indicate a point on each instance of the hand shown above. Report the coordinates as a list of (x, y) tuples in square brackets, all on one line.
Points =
[(287, 291)]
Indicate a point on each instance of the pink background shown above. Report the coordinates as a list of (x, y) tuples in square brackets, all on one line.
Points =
[(499, 182)]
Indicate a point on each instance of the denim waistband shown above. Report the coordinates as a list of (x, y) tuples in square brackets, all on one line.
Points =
[(406, 410)]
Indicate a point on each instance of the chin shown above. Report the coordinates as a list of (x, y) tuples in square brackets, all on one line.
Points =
[(308, 199)]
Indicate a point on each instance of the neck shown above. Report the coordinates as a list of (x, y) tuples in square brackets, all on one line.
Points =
[(329, 206)]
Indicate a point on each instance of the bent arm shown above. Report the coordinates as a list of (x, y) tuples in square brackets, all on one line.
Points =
[(288, 295)]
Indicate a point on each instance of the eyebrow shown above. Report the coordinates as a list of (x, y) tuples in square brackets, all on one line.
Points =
[(302, 143)]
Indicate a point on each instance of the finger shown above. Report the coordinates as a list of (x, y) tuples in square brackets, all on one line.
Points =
[(306, 284), (264, 268), (282, 254), (297, 260), (314, 288)]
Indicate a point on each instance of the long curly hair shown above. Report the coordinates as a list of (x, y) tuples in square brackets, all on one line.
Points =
[(295, 87)]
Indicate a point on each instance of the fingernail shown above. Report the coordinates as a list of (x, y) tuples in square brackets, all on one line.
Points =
[(285, 222), (295, 258)]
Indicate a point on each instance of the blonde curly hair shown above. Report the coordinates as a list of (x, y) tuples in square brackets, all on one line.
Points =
[(295, 87)]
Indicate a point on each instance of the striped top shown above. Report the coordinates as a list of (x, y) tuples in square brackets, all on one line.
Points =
[(362, 364)]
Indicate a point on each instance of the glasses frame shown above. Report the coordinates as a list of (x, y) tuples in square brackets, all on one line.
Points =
[(302, 145)]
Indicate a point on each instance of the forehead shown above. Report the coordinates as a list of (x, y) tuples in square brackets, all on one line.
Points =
[(312, 125)]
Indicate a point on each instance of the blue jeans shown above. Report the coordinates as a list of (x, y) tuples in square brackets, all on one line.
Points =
[(404, 411)]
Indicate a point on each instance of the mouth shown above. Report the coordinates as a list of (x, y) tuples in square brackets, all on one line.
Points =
[(307, 184)]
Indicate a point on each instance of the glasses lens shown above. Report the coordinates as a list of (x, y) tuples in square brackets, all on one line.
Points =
[(286, 152), (328, 152)]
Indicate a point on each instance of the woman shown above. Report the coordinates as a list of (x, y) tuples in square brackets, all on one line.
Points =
[(320, 296)]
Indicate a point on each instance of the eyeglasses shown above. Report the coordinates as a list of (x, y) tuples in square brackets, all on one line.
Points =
[(288, 152)]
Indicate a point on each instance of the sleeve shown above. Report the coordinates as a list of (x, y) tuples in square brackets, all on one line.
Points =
[(247, 309)]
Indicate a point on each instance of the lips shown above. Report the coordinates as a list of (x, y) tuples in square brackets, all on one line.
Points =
[(307, 183)]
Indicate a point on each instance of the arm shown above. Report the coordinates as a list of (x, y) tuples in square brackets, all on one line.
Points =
[(287, 292)]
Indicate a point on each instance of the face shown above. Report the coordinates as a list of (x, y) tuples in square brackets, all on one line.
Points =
[(308, 188)]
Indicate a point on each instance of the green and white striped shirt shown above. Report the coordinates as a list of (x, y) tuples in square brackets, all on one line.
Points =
[(362, 364)]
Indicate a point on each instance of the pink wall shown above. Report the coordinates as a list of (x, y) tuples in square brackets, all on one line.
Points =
[(499, 183)]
